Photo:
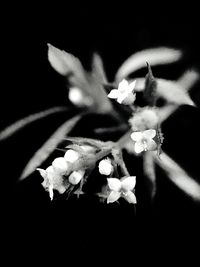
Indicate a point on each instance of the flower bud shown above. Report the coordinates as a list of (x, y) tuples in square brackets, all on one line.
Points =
[(76, 176), (71, 155), (143, 120), (60, 165), (105, 167)]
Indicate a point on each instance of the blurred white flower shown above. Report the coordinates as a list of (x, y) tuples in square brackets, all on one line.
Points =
[(122, 188), (143, 140), (124, 94), (105, 167), (78, 98), (144, 119), (71, 155), (76, 176), (60, 165)]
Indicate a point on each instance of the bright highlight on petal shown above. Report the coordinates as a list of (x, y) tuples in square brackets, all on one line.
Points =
[(128, 184), (151, 133), (114, 196), (114, 184)]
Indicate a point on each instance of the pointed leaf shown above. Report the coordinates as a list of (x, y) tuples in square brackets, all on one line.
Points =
[(178, 176), (171, 91), (65, 63), (18, 125), (150, 87), (155, 56), (48, 147)]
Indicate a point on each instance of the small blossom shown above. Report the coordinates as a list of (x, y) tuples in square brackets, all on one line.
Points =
[(52, 180), (60, 165), (71, 156), (143, 140), (105, 167), (122, 188), (144, 119), (77, 97), (124, 94), (76, 176)]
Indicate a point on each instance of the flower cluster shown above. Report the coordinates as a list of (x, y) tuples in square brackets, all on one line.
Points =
[(54, 175), (133, 108)]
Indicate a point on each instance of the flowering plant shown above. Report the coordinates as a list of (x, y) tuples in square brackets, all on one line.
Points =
[(137, 118)]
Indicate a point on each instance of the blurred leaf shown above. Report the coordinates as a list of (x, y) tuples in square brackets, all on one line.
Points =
[(91, 84), (150, 87), (149, 171), (65, 63), (178, 176), (49, 146), (188, 79), (18, 125), (98, 68), (154, 56), (86, 141), (171, 91)]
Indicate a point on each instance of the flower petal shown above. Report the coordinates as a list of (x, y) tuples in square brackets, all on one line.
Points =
[(123, 85), (128, 183), (132, 86), (139, 147), (42, 172), (114, 184), (151, 145), (149, 134), (136, 136), (113, 196), (113, 93), (130, 197), (121, 97)]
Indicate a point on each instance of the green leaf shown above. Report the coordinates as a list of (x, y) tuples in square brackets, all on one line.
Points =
[(155, 56), (49, 146), (178, 176), (20, 124)]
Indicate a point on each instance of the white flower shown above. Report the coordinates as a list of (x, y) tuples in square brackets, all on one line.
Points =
[(143, 140), (60, 165), (105, 167), (52, 180), (71, 156), (78, 98), (76, 176), (122, 188), (144, 119), (124, 94)]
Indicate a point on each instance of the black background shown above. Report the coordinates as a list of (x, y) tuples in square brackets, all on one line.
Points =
[(46, 230)]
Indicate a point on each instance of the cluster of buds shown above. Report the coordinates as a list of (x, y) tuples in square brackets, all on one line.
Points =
[(55, 175)]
